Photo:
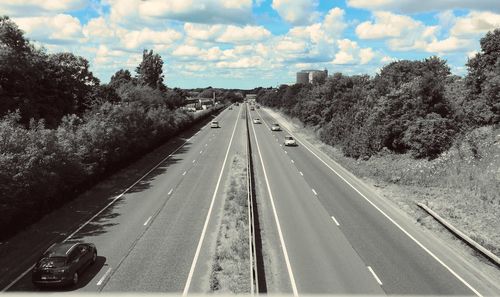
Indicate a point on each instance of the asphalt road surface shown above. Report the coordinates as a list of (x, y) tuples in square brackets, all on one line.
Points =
[(324, 230)]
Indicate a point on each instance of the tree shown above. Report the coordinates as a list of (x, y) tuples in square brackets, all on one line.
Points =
[(119, 78), (150, 72), (482, 105)]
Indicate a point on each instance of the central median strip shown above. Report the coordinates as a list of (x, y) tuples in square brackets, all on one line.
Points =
[(230, 271)]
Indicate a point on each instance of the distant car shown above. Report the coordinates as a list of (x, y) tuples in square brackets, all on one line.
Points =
[(256, 121), (289, 141), (230, 108), (252, 108), (257, 106), (63, 263), (236, 104), (275, 127), (214, 124)]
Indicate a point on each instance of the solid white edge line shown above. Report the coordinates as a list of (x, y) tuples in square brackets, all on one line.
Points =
[(99, 212), (104, 277), (314, 191), (280, 233), (147, 221), (335, 220), (375, 275), (202, 236), (394, 222)]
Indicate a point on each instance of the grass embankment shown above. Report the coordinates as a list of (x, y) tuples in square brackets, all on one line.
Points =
[(462, 185), (230, 268)]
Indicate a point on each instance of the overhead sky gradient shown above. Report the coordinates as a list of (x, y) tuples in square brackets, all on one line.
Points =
[(249, 43)]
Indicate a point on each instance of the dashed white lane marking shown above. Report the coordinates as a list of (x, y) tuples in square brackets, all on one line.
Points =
[(278, 226), (170, 192), (206, 144), (207, 219), (104, 277), (335, 220), (146, 223), (184, 173), (281, 145), (194, 161), (375, 275), (286, 152), (314, 191), (301, 173), (201, 151), (293, 161), (394, 222)]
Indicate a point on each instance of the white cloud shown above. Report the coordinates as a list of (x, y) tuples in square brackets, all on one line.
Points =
[(297, 12), (475, 23), (129, 12), (136, 39), (386, 25), (350, 53), (450, 44), (234, 34), (60, 28), (245, 62), (24, 8), (412, 6), (226, 33)]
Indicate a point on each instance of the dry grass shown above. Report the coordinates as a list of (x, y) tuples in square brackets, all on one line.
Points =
[(230, 269), (462, 184)]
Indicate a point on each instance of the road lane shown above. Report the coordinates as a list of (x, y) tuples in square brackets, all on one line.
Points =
[(403, 265), (321, 258), (118, 228)]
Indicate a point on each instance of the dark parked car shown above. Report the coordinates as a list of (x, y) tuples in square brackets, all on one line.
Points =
[(63, 263)]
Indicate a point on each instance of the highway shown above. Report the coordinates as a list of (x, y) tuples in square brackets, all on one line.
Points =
[(324, 232), (341, 239), (147, 240)]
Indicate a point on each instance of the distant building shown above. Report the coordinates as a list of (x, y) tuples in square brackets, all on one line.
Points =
[(251, 96), (309, 76)]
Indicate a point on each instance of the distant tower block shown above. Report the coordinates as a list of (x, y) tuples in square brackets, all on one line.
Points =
[(311, 75)]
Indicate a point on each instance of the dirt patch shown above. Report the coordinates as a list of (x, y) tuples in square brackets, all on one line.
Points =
[(231, 262)]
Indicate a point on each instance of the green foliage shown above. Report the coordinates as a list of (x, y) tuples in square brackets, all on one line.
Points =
[(150, 72), (40, 85), (429, 136), (40, 168), (410, 106), (483, 83)]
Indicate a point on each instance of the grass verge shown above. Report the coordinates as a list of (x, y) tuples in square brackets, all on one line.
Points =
[(230, 269)]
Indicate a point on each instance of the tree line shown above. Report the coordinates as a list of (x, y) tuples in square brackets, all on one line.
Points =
[(61, 130), (415, 107)]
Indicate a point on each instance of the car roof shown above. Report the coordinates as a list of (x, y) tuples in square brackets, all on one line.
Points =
[(288, 136), (275, 124), (60, 249)]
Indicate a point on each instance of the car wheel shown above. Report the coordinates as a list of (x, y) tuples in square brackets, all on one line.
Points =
[(94, 257), (74, 281)]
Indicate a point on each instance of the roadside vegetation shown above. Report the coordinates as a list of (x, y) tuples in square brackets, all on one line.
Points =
[(417, 132), (61, 130), (230, 267)]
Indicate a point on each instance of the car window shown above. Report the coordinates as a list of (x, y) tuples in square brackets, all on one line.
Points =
[(52, 262), (74, 255)]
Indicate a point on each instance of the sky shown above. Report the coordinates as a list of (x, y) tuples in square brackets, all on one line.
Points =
[(249, 43)]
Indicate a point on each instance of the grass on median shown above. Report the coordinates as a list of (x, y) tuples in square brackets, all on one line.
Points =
[(230, 269)]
